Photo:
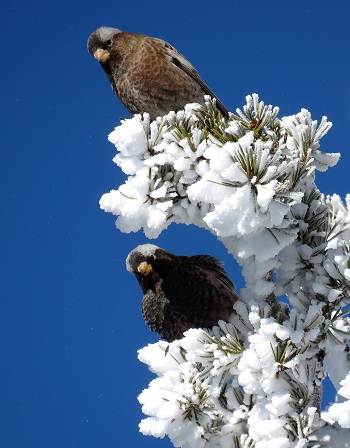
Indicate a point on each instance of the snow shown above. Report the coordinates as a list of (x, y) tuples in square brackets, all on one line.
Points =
[(256, 380), (340, 412), (345, 389), (130, 138)]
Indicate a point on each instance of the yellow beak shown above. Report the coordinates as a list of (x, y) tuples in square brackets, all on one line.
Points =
[(101, 55), (144, 268)]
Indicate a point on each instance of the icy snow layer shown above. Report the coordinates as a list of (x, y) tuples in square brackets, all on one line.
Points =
[(249, 180)]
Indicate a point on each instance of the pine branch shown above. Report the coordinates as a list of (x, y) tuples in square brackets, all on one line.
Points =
[(250, 180)]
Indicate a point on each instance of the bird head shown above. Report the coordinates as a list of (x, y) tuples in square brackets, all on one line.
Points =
[(139, 260), (101, 41)]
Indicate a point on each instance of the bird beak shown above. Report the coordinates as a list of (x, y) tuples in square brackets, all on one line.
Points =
[(101, 55), (144, 268)]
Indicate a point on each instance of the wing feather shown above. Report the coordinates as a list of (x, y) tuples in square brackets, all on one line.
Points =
[(181, 62)]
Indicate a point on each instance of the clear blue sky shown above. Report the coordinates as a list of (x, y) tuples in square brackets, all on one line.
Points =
[(70, 318)]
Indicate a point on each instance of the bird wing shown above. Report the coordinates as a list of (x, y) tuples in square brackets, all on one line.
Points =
[(212, 267), (180, 61)]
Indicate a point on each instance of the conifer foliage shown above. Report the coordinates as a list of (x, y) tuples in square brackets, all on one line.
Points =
[(250, 180)]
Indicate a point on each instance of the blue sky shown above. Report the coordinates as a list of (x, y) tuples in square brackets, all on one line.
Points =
[(70, 317)]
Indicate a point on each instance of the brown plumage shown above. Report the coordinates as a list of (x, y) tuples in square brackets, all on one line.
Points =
[(181, 292), (148, 74)]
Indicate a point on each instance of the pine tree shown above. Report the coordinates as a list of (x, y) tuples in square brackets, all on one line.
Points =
[(250, 180)]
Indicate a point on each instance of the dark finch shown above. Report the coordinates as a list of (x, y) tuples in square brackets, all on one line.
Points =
[(181, 292), (148, 74)]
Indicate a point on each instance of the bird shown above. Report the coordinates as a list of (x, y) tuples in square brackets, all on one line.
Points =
[(148, 74), (181, 292)]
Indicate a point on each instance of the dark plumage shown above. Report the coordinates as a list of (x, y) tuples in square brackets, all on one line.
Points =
[(181, 292), (148, 74)]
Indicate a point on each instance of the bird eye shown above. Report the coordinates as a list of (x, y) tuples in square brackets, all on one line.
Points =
[(109, 42)]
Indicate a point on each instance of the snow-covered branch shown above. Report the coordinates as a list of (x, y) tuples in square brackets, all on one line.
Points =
[(250, 180)]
